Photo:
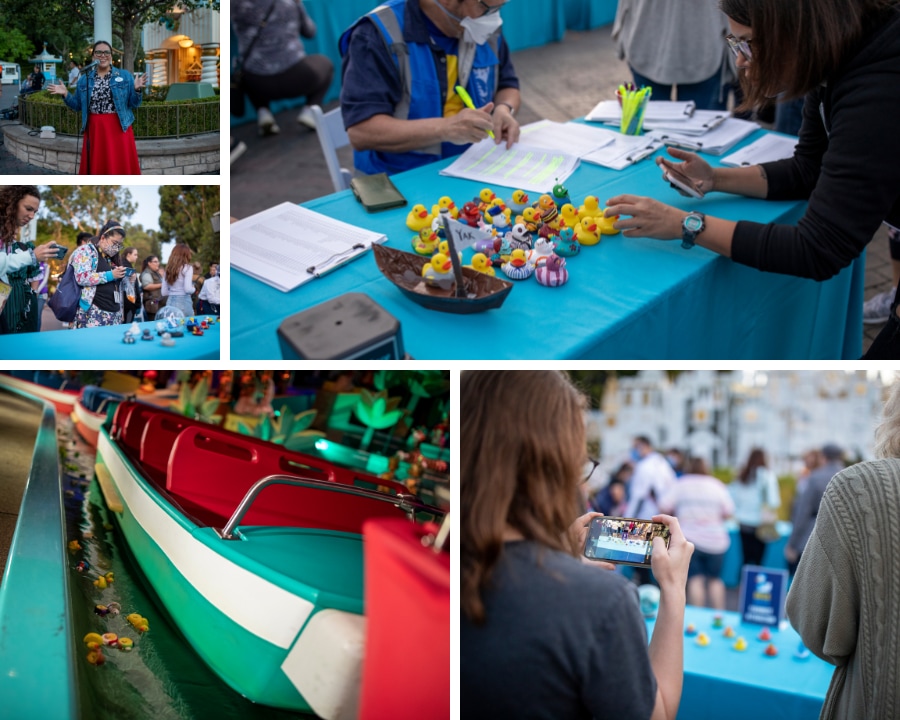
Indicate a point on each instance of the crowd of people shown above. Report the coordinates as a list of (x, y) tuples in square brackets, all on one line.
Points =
[(111, 290)]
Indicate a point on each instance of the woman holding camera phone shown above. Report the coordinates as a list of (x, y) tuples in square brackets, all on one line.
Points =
[(844, 57), (543, 633), (99, 271), (20, 263)]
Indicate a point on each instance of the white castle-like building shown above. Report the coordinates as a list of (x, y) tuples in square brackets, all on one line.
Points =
[(721, 416)]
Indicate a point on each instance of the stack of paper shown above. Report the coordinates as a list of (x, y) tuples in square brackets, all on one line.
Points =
[(715, 142), (288, 245), (767, 149), (701, 122), (574, 138), (624, 151), (609, 111)]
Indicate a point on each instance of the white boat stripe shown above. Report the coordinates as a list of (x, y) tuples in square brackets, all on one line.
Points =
[(89, 419), (46, 393), (261, 607)]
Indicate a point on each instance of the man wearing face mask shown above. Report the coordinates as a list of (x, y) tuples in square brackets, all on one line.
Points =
[(402, 63), (98, 270)]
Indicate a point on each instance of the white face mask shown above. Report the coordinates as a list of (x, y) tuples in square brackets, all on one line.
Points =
[(476, 30)]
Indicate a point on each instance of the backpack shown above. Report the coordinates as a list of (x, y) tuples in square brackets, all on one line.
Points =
[(64, 302)]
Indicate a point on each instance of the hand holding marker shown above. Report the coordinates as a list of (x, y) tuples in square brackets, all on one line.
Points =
[(467, 101)]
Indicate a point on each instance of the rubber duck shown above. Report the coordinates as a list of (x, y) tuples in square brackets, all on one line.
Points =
[(605, 224), (74, 546), (519, 237), (95, 657), (502, 250), (480, 263), (728, 632), (587, 232), (690, 630), (519, 201), (93, 640), (100, 583), (126, 644), (702, 640), (560, 195), (110, 639), (517, 267), (553, 273), (545, 202), (530, 218), (718, 621), (484, 199), (82, 566), (498, 218), (802, 652), (542, 250), (590, 208), (437, 227), (471, 215), (437, 272), (101, 610), (419, 218), (771, 650), (566, 244), (569, 215), (426, 242), (114, 608), (551, 217), (445, 202), (764, 635), (444, 247), (740, 644)]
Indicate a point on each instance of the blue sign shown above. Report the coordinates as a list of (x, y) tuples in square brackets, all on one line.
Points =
[(762, 595)]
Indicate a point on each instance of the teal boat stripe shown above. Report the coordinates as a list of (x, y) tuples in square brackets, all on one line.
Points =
[(262, 607)]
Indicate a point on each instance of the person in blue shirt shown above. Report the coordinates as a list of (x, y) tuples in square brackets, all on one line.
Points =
[(401, 109)]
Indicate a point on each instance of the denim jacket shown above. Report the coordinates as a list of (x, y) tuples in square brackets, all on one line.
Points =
[(121, 85)]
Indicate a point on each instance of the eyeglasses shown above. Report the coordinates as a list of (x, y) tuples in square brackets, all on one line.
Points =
[(591, 464), (491, 9), (740, 47), (102, 53)]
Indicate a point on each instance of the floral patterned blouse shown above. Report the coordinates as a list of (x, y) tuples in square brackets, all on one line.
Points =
[(101, 97)]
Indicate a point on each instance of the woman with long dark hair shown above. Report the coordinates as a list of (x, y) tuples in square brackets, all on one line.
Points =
[(756, 497), (99, 271), (178, 280), (20, 262), (544, 634), (844, 57), (106, 96)]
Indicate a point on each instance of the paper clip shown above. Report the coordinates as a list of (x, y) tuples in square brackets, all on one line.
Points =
[(681, 143), (645, 152), (335, 261)]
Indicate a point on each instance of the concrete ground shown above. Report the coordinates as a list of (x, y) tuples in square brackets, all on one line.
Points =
[(9, 164), (559, 82)]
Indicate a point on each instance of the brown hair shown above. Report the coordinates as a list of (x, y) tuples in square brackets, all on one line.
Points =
[(523, 453), (10, 197), (756, 460), (180, 256), (697, 466), (797, 45)]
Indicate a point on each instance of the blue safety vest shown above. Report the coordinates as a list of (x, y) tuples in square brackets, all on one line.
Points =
[(421, 87)]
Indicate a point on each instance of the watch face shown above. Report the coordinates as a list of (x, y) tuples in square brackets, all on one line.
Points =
[(693, 223)]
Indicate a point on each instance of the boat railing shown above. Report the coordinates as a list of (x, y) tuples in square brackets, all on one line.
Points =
[(407, 503)]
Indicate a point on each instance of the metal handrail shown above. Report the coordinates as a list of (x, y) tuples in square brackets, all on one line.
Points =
[(406, 503)]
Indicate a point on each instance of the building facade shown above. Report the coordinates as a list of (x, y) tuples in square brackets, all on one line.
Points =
[(186, 49)]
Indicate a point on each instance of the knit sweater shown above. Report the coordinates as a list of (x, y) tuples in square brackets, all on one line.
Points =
[(845, 599)]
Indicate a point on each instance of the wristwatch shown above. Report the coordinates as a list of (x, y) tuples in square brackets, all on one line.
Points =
[(692, 225), (512, 110)]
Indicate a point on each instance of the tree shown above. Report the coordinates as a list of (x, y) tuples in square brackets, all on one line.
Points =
[(15, 45), (185, 216), (50, 22), (88, 207), (146, 241)]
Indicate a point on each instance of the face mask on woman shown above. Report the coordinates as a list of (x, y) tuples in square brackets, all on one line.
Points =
[(476, 30)]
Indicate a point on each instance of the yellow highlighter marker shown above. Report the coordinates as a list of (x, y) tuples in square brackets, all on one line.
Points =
[(467, 101)]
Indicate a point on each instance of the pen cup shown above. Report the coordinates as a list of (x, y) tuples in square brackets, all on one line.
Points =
[(634, 104)]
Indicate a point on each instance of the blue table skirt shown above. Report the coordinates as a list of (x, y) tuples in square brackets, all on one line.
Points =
[(720, 682), (105, 343), (589, 14), (626, 298), (773, 557)]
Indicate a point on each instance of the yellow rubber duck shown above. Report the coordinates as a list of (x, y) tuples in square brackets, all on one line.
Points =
[(605, 224), (438, 270), (426, 242), (569, 215), (484, 198), (481, 263), (590, 208), (419, 218), (530, 218), (519, 200), (444, 248), (586, 231), (445, 202)]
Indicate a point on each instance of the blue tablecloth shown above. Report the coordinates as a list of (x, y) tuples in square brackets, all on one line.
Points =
[(773, 557), (105, 343), (626, 298), (720, 682), (589, 14)]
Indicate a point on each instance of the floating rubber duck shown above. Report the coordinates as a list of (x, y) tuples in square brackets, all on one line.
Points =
[(480, 263), (437, 272), (74, 546), (101, 610), (471, 215), (519, 201), (740, 644), (138, 622), (519, 237), (100, 583), (445, 202), (553, 273), (569, 215), (484, 199), (586, 232), (560, 195), (110, 639), (765, 635), (95, 657), (728, 632), (426, 242), (114, 608), (126, 644), (82, 566), (771, 650), (690, 630), (702, 640), (530, 218), (517, 267), (566, 244), (718, 621), (93, 640), (542, 250), (605, 224), (590, 208), (419, 218)]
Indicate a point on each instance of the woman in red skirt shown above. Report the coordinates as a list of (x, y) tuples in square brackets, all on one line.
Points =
[(105, 97)]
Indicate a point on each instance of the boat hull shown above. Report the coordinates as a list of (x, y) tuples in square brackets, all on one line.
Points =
[(87, 423), (241, 622), (63, 400)]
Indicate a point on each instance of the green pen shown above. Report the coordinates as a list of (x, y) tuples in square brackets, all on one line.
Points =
[(467, 101)]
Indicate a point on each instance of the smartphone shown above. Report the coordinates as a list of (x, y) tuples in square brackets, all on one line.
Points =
[(628, 541), (60, 251), (376, 192), (129, 272), (682, 183)]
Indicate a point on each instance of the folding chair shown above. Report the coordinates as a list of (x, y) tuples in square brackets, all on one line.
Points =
[(332, 136)]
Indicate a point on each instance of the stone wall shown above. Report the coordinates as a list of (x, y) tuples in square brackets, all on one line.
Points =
[(193, 155)]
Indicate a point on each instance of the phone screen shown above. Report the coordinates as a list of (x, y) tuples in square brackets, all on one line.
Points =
[(623, 540), (682, 183)]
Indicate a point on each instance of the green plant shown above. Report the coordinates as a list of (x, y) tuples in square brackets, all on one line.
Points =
[(289, 430), (195, 402), (376, 411)]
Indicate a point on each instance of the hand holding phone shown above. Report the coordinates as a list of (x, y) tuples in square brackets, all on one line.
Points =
[(627, 541), (682, 183), (60, 251)]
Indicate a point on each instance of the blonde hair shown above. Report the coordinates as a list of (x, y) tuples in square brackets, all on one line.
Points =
[(887, 434)]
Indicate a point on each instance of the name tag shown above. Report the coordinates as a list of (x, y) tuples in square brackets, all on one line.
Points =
[(118, 79)]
